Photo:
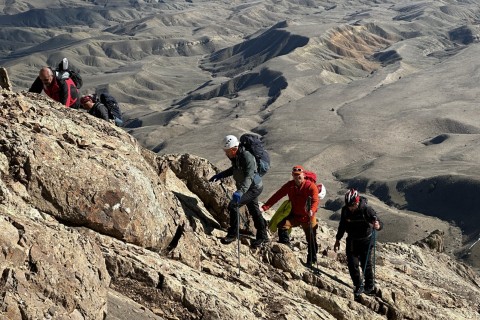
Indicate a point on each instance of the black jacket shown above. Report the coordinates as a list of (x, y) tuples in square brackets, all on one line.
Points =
[(99, 110), (359, 223)]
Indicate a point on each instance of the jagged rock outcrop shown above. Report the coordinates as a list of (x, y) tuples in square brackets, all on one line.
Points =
[(92, 223), (5, 80), (434, 241)]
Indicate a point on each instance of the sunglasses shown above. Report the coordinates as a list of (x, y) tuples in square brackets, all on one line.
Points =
[(297, 170)]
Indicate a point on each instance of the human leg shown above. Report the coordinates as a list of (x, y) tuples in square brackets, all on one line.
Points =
[(250, 199), (310, 230), (232, 229), (354, 268)]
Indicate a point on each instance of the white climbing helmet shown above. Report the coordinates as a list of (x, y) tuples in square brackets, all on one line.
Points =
[(229, 142)]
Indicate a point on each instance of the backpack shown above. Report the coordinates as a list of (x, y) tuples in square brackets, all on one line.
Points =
[(64, 72), (312, 176), (112, 105), (254, 145), (76, 77)]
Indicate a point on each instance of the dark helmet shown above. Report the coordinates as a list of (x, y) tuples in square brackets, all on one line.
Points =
[(352, 197)]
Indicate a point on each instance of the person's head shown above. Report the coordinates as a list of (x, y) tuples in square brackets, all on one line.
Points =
[(87, 102), (230, 146), (298, 174), (46, 76), (352, 199)]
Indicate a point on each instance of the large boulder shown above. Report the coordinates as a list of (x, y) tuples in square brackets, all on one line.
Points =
[(86, 172)]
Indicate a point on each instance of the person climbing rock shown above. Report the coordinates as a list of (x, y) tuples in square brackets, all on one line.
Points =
[(303, 195), (359, 221), (249, 186)]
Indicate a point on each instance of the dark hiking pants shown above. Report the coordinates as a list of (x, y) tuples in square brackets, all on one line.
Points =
[(310, 230), (357, 251), (250, 199)]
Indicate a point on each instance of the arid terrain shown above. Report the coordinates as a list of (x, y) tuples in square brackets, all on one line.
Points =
[(377, 95)]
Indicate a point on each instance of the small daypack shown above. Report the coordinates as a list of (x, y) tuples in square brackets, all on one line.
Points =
[(112, 105), (312, 176), (254, 145)]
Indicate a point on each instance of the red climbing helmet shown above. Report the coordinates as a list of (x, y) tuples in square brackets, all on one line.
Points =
[(352, 197)]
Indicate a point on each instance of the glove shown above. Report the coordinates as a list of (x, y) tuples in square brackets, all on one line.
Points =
[(237, 195), (265, 207), (216, 177)]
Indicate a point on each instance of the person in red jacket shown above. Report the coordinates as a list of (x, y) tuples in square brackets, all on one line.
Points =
[(303, 195), (62, 90)]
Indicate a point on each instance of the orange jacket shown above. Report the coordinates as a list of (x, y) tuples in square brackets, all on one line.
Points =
[(298, 197)]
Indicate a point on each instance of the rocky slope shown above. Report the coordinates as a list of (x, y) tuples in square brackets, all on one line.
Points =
[(93, 226)]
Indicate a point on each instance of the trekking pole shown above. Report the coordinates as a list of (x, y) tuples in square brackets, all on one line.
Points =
[(311, 249), (473, 244), (372, 240), (238, 238)]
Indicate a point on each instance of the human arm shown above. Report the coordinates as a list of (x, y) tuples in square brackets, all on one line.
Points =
[(221, 175), (63, 91), (373, 219), (37, 86), (248, 166), (102, 112), (313, 190), (279, 194), (340, 231)]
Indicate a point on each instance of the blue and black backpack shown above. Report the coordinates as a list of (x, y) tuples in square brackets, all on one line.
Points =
[(254, 145)]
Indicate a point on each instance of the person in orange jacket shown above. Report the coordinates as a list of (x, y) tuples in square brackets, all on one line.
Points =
[(303, 195)]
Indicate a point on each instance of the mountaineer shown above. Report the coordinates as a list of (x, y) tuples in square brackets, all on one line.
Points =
[(94, 108), (249, 186), (360, 222), (303, 195), (59, 89)]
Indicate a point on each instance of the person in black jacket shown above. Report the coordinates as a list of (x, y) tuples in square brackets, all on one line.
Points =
[(95, 108), (358, 220), (249, 187)]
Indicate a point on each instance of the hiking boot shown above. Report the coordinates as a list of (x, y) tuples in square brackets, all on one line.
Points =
[(371, 291), (358, 291), (258, 242), (228, 239)]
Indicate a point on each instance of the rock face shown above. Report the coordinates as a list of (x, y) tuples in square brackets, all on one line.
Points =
[(5, 80), (93, 226)]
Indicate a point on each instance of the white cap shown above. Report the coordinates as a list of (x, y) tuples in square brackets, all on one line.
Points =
[(230, 141)]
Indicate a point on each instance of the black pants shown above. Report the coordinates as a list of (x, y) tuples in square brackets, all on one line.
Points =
[(357, 251), (250, 199)]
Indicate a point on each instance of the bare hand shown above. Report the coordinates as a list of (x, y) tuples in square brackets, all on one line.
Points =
[(376, 225), (336, 246)]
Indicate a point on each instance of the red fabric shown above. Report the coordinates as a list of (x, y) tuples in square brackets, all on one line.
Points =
[(53, 91), (298, 197), (309, 175), (59, 92)]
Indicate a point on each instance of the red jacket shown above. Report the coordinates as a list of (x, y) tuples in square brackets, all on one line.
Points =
[(64, 91), (298, 197)]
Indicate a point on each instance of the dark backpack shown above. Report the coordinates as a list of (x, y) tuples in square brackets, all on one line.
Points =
[(76, 77), (254, 145), (112, 105), (63, 71)]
